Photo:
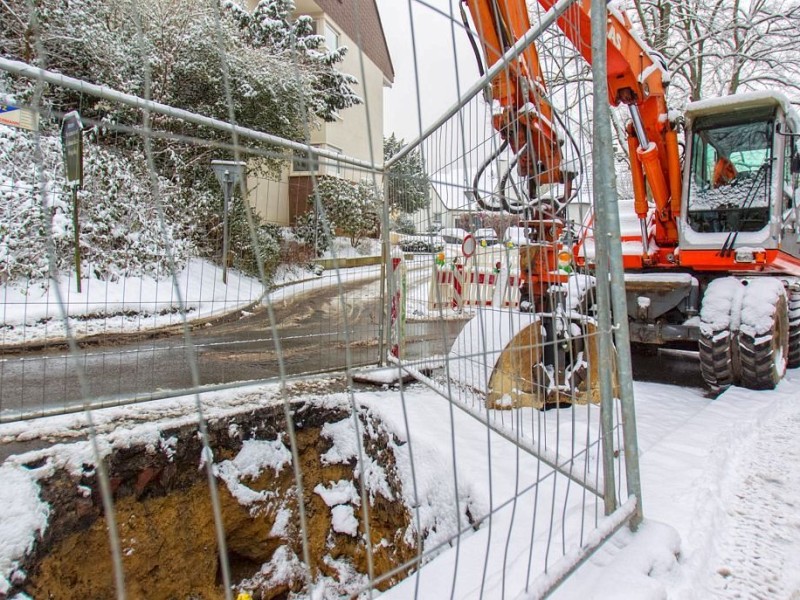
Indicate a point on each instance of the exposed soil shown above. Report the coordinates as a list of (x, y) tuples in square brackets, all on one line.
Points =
[(166, 523)]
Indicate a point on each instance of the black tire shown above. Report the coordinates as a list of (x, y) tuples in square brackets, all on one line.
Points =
[(716, 361), (794, 330), (764, 357)]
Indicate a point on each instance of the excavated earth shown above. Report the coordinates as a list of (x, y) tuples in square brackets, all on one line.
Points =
[(166, 524)]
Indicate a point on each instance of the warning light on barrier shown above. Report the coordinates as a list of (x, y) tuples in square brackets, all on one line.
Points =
[(565, 261)]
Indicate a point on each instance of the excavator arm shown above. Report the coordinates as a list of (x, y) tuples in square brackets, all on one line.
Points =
[(525, 118), (522, 114)]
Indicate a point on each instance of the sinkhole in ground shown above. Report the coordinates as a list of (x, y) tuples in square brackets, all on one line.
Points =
[(165, 520)]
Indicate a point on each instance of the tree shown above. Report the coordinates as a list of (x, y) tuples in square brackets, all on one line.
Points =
[(408, 186), (313, 231), (724, 46), (403, 223)]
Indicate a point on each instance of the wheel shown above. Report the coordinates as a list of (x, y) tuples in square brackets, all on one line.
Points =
[(794, 330), (716, 360), (720, 315), (764, 357)]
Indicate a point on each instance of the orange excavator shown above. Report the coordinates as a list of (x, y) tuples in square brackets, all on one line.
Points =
[(711, 237)]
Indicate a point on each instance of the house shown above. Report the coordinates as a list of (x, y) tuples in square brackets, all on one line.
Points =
[(358, 130)]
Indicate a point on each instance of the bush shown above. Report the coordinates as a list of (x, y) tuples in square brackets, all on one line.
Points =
[(404, 224), (296, 253), (313, 232), (245, 250), (422, 244)]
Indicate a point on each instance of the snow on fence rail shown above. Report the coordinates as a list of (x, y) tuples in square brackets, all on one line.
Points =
[(495, 453)]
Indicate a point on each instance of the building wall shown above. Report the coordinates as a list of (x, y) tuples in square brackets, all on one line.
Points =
[(358, 133), (270, 197)]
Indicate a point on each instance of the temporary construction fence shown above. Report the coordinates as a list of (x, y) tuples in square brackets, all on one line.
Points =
[(451, 311)]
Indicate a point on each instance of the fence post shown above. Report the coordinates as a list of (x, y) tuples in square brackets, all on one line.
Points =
[(397, 326), (607, 238), (386, 254)]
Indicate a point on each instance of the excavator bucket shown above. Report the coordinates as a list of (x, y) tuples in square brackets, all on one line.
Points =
[(513, 359)]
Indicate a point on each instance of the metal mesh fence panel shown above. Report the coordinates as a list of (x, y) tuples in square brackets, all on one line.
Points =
[(225, 287)]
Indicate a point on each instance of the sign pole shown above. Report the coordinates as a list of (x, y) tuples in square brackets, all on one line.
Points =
[(226, 193), (72, 146), (77, 234), (228, 173)]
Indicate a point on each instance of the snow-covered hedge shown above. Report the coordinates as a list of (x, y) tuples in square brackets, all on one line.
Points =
[(120, 231)]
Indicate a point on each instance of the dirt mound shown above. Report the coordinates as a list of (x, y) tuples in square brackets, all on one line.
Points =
[(166, 523)]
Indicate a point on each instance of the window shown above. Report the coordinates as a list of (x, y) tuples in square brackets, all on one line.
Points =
[(789, 178), (303, 163), (331, 38), (731, 174), (333, 167)]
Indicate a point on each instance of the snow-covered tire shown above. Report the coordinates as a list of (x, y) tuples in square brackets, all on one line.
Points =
[(764, 357), (719, 323), (716, 361), (794, 330)]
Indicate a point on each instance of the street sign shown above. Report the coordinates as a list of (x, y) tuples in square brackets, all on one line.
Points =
[(228, 173), (24, 118), (468, 246), (72, 145)]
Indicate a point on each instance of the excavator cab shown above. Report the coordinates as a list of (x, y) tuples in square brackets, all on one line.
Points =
[(731, 176), (731, 172), (733, 162)]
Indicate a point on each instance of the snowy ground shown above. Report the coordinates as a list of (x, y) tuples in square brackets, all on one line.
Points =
[(31, 313), (719, 477)]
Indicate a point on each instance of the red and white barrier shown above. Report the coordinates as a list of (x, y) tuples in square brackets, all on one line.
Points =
[(512, 291), (442, 287), (479, 286)]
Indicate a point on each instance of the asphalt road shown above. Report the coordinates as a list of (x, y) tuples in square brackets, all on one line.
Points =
[(324, 329)]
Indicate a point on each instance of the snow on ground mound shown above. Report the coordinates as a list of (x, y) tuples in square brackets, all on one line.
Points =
[(24, 519), (32, 313)]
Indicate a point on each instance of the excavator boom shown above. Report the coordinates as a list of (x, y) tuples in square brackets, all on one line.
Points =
[(636, 78)]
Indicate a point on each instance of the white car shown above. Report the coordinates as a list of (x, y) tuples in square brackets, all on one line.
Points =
[(453, 235), (518, 236), (486, 236)]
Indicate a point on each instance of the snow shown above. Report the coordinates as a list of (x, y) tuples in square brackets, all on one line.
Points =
[(258, 455), (344, 446), (732, 101), (254, 458), (24, 519), (341, 492), (761, 296), (722, 305), (719, 483), (492, 329), (718, 480), (343, 520), (31, 313)]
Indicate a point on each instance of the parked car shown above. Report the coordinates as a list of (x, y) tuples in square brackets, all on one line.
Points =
[(453, 235), (486, 236)]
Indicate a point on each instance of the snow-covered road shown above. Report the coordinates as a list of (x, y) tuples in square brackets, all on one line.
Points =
[(724, 475)]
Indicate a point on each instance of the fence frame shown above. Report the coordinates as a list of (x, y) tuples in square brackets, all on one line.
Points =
[(611, 298)]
